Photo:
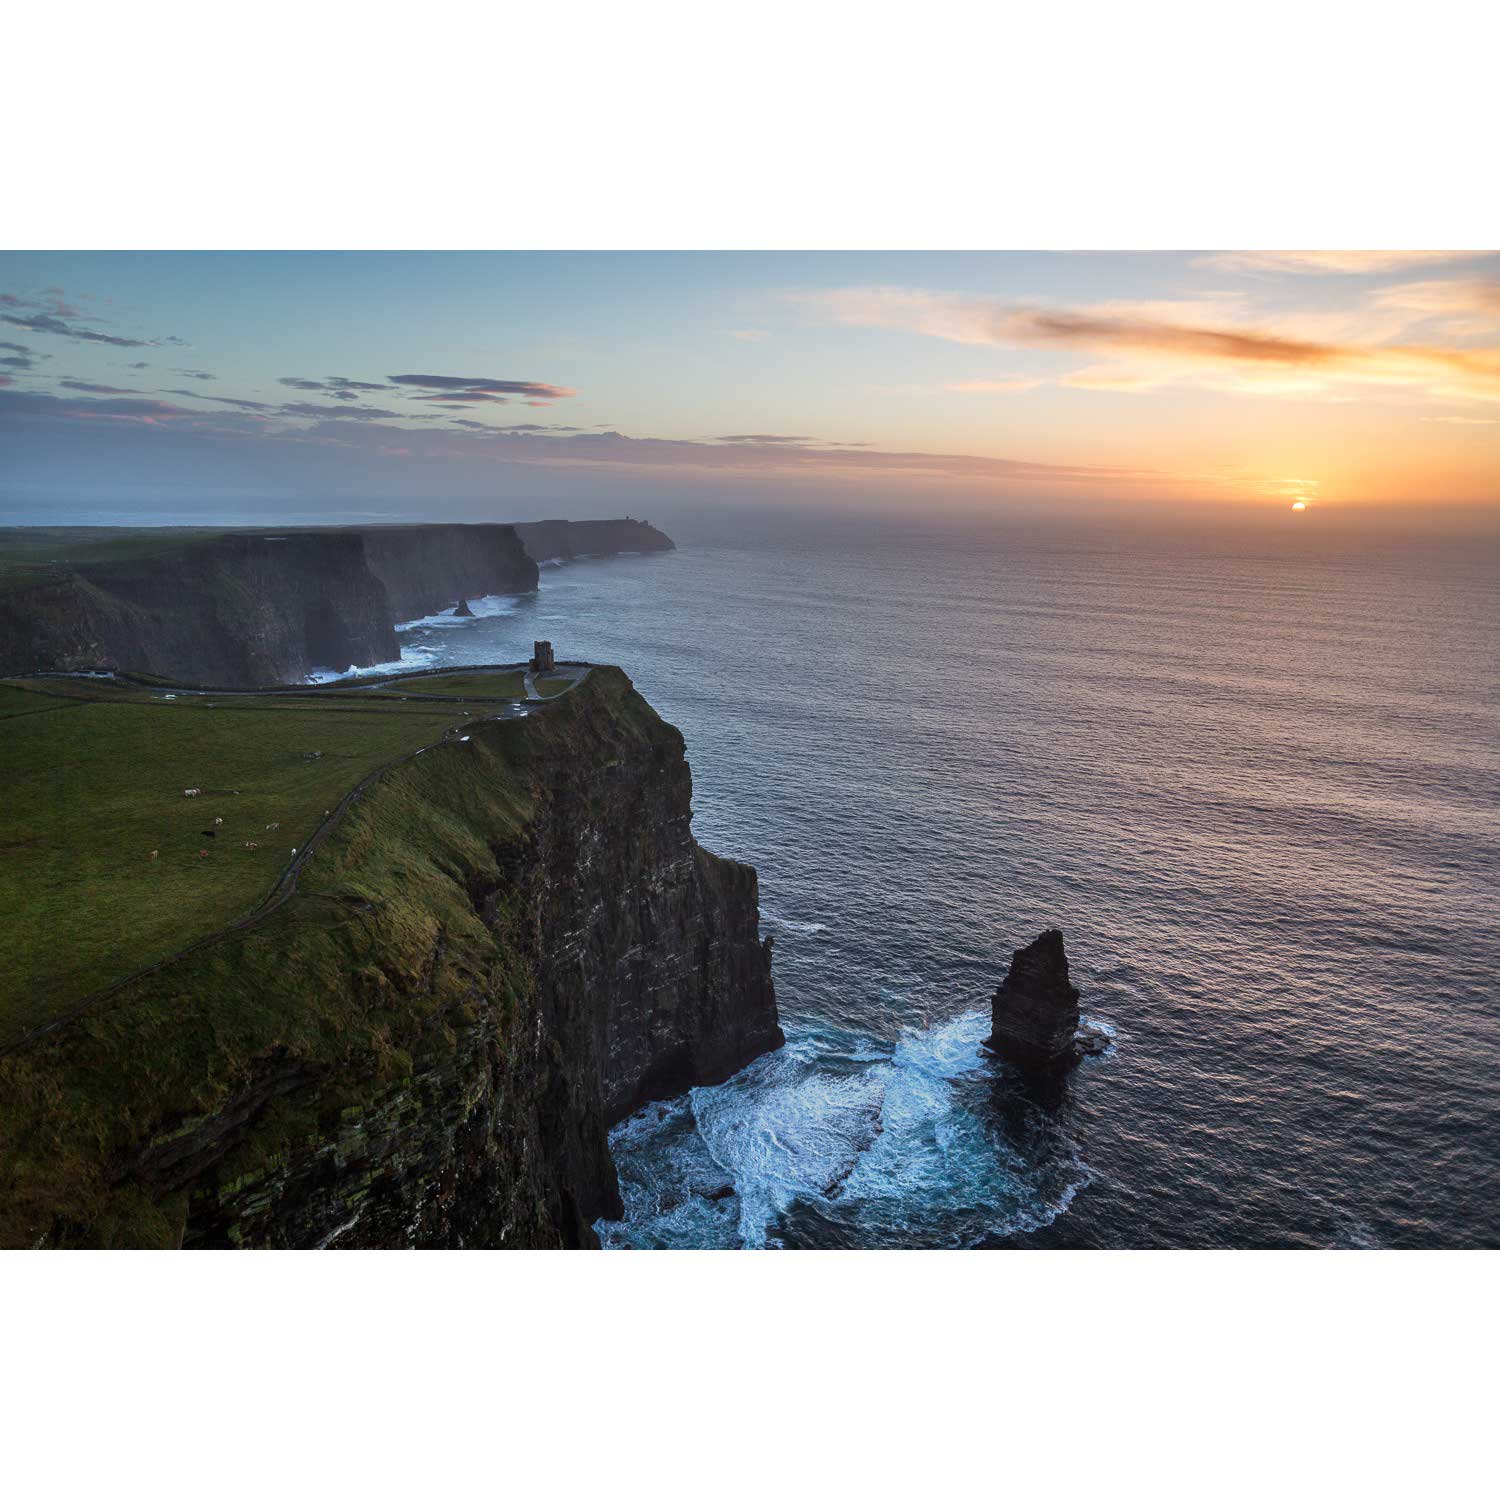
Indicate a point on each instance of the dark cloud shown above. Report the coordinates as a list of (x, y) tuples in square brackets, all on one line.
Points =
[(196, 374), (762, 437), (338, 386), (18, 362), (89, 388), (478, 384), (138, 408), (224, 400), (474, 396), (518, 429), (140, 364), (16, 348), (46, 323), (313, 409)]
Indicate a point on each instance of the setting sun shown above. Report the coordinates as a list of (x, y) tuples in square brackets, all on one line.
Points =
[(1299, 504)]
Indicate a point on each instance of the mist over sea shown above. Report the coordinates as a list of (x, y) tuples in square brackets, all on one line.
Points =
[(1254, 777)]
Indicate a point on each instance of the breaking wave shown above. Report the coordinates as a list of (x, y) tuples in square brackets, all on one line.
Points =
[(840, 1139), (412, 658)]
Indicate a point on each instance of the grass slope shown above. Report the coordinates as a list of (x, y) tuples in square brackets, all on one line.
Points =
[(94, 774)]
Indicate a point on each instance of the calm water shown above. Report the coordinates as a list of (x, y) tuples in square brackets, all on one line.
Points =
[(1256, 783)]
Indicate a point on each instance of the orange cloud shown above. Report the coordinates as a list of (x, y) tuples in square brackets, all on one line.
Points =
[(1155, 344)]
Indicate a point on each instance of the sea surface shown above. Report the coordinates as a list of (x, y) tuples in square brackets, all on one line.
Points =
[(1254, 778)]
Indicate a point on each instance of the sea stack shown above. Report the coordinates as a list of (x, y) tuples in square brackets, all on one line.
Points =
[(463, 612), (1035, 1011)]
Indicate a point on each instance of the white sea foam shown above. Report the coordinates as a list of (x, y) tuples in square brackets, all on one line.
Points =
[(834, 1130), (412, 658), (488, 607)]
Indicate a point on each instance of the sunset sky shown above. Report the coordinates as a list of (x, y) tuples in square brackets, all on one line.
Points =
[(439, 382)]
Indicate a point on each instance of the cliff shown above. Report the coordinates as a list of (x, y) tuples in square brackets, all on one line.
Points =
[(425, 568), (240, 609), (507, 943), (245, 609), (547, 541)]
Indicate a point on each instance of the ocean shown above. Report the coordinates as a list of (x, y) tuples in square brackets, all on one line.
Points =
[(1254, 778)]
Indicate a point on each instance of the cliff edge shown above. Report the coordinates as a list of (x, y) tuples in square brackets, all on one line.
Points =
[(509, 941)]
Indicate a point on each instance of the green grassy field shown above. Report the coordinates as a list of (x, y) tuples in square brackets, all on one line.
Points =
[(479, 684), (550, 687), (105, 865), (32, 554)]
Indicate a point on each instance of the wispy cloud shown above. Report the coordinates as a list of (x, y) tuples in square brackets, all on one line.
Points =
[(20, 357), (762, 437), (335, 385), (46, 323), (1160, 343), (1457, 308), (748, 335), (131, 408), (314, 409), (1335, 262), (89, 388), (484, 385), (238, 401)]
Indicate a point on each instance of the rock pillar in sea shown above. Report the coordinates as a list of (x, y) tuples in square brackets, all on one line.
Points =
[(462, 610), (1034, 1015)]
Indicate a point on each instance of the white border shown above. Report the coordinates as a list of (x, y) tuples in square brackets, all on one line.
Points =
[(780, 125), (789, 124)]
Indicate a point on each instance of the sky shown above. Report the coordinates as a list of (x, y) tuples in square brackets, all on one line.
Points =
[(429, 385)]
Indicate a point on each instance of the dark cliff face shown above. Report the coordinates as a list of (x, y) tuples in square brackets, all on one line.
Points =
[(426, 568), (252, 609), (237, 610), (546, 541), (665, 933), (1035, 1010), (508, 943)]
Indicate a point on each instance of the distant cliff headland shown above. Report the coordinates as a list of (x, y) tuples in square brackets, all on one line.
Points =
[(254, 608)]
